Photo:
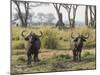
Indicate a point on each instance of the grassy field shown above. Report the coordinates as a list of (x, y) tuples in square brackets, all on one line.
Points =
[(52, 37), (52, 61), (55, 53)]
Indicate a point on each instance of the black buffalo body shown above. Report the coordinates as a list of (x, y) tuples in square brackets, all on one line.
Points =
[(78, 45), (33, 46)]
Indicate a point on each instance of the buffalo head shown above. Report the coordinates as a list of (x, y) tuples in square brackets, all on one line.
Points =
[(80, 37), (31, 36)]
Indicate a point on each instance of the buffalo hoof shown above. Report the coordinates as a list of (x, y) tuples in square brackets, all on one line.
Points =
[(29, 65), (74, 60), (38, 60)]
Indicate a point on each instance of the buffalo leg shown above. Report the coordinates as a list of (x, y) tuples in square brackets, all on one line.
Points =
[(29, 56), (80, 56), (36, 59), (74, 55)]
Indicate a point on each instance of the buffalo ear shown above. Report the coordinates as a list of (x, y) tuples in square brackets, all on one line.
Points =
[(27, 38), (75, 39), (84, 39)]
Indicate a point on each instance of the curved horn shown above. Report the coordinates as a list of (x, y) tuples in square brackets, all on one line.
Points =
[(40, 34), (31, 33), (22, 34), (86, 35), (74, 36)]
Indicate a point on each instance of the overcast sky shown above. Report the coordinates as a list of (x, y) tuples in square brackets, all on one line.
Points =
[(80, 14), (50, 9)]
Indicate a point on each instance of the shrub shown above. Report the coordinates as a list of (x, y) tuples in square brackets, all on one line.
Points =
[(50, 39), (21, 59), (90, 44), (15, 38), (17, 45), (51, 43), (86, 54), (18, 52)]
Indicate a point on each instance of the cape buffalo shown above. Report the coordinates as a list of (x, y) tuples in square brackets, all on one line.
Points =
[(33, 45), (77, 45)]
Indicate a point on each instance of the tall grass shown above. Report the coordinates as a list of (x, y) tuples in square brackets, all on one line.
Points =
[(53, 38), (18, 44)]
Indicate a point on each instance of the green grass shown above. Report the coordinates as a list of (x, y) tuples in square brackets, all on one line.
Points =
[(55, 53), (18, 44), (53, 61), (53, 38)]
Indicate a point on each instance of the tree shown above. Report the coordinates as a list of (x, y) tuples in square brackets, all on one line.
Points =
[(14, 18), (23, 18), (50, 17), (59, 14), (41, 16), (86, 15), (22, 8), (74, 14), (92, 16), (68, 9)]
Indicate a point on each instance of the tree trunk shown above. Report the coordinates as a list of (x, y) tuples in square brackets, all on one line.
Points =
[(22, 19), (91, 24), (71, 20), (94, 16), (26, 5), (19, 13), (86, 15), (59, 23), (74, 15)]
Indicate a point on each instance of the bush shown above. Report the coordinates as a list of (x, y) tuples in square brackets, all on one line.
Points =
[(51, 43), (16, 38), (18, 52), (86, 54), (18, 45), (16, 33), (90, 44), (50, 39), (21, 59)]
